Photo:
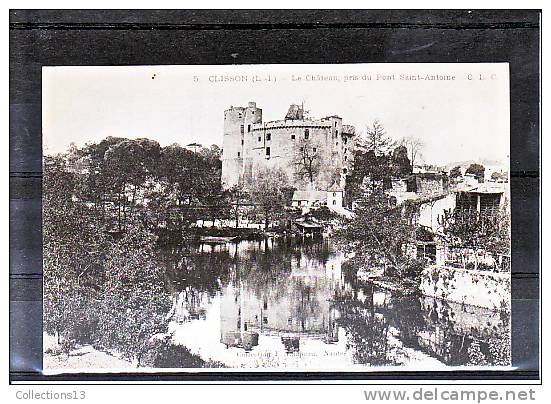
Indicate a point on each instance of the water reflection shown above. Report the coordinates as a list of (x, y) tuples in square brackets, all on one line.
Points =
[(293, 304)]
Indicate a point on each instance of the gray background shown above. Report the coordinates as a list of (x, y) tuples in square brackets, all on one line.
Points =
[(121, 37)]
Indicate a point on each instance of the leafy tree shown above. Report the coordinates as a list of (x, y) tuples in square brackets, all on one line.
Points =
[(470, 231), (372, 160), (477, 170), (324, 214), (455, 173), (73, 247), (269, 191), (134, 301), (377, 234), (193, 181), (127, 166)]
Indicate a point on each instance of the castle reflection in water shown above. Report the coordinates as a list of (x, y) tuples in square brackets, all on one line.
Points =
[(301, 297), (301, 303)]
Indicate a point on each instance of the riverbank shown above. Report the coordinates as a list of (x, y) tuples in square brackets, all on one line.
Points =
[(163, 354), (82, 357)]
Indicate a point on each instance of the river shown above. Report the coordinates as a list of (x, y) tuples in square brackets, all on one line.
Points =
[(297, 305)]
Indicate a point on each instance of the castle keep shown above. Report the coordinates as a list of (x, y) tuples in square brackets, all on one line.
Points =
[(250, 144)]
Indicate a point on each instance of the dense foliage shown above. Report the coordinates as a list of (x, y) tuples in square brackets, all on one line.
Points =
[(104, 208)]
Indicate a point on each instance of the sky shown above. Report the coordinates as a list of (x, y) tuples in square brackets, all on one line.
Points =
[(466, 118)]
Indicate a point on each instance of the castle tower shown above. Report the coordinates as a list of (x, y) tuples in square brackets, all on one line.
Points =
[(238, 123)]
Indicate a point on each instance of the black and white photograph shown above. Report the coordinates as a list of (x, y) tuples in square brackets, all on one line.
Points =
[(351, 217)]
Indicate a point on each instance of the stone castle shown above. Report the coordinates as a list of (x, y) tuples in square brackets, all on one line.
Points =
[(315, 154)]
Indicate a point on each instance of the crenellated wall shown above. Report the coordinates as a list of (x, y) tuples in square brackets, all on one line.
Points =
[(250, 144)]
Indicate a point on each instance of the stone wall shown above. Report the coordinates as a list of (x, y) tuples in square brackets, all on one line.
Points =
[(250, 144), (478, 288)]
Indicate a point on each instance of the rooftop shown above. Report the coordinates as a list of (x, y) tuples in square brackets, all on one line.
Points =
[(309, 196), (484, 188)]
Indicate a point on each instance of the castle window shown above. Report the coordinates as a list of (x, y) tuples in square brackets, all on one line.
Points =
[(268, 136), (344, 170), (293, 136), (265, 320), (306, 133), (242, 129), (314, 149), (248, 128), (345, 140), (302, 149), (267, 151), (334, 202), (334, 194), (337, 143), (242, 142), (238, 154), (335, 124), (345, 158), (336, 132), (260, 139)]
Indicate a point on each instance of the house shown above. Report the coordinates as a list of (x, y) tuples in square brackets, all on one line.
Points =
[(309, 199), (333, 197), (484, 198)]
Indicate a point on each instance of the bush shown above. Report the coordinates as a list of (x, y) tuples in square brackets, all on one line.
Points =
[(162, 353)]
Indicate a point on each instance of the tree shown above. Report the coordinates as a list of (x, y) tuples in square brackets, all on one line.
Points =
[(134, 301), (414, 146), (307, 160), (455, 173), (269, 191), (73, 248), (377, 233), (193, 180), (372, 159), (472, 232), (477, 170), (128, 164), (376, 139)]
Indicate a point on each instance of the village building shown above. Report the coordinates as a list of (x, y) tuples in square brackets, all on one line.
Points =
[(486, 198), (250, 144), (331, 198), (418, 185)]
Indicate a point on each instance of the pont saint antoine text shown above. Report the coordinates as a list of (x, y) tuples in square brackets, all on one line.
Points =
[(222, 78)]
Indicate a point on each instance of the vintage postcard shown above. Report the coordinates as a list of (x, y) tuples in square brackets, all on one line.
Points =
[(351, 217)]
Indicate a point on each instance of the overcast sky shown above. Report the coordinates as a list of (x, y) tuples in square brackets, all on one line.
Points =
[(462, 119)]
